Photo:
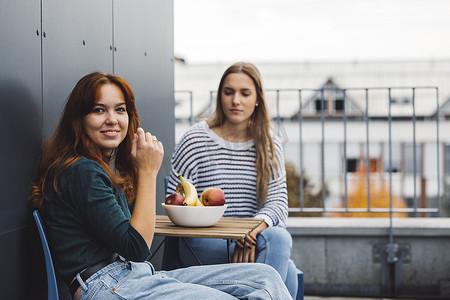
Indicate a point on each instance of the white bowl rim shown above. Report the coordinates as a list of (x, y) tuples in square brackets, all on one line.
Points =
[(178, 209), (163, 204)]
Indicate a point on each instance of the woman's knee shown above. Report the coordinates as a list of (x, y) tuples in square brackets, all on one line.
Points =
[(262, 268), (277, 236)]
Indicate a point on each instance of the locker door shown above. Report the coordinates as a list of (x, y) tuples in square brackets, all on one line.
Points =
[(77, 40), (143, 42), (20, 123)]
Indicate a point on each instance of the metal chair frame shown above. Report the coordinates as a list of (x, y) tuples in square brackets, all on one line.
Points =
[(52, 286)]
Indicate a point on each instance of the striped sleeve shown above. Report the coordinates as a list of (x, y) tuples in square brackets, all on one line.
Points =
[(208, 162), (275, 211)]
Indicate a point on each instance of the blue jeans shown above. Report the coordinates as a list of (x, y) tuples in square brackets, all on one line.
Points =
[(131, 280), (273, 247)]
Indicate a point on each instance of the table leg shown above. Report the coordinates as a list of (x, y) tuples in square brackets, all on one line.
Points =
[(157, 248), (245, 246), (228, 250), (192, 251)]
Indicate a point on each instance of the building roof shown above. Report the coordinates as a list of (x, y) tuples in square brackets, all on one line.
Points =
[(429, 78)]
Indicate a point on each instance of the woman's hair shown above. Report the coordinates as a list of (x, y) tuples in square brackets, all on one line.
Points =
[(70, 142), (259, 128)]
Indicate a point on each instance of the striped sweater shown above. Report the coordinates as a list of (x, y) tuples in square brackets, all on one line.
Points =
[(207, 160)]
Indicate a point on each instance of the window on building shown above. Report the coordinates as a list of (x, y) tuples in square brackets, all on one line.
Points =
[(339, 105), (318, 105), (352, 165)]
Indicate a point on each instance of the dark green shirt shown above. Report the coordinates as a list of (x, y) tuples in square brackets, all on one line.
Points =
[(88, 220)]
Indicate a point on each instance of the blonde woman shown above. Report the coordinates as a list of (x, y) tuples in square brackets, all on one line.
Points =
[(235, 151)]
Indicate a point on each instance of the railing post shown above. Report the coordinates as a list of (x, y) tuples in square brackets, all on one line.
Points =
[(367, 149), (191, 119), (326, 110), (322, 146), (300, 119), (345, 152)]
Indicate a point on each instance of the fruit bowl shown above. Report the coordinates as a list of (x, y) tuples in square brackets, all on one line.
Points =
[(194, 216)]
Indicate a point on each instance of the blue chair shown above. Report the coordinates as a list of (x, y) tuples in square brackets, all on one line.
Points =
[(300, 291), (52, 287), (166, 184)]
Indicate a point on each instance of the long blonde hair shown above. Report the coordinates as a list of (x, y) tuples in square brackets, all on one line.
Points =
[(267, 161)]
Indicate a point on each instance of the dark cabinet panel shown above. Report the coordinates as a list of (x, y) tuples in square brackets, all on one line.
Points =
[(143, 38), (20, 94), (21, 132), (46, 46), (77, 39)]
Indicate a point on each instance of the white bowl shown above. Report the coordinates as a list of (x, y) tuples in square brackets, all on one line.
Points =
[(194, 216)]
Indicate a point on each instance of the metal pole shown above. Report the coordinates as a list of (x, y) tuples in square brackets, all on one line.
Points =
[(278, 112), (322, 119), (210, 102), (414, 150), (437, 150), (391, 248), (390, 169), (300, 117), (192, 109), (367, 150), (345, 151)]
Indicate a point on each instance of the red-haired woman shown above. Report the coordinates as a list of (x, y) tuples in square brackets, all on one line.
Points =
[(95, 165)]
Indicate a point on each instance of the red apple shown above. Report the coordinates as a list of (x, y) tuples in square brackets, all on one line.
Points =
[(213, 197), (175, 199)]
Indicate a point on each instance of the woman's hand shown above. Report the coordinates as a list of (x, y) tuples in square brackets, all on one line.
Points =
[(147, 151), (238, 254)]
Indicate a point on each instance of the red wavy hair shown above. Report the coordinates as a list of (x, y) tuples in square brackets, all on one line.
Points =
[(70, 142)]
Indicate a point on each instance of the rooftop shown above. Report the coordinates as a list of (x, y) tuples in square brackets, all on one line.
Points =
[(202, 79)]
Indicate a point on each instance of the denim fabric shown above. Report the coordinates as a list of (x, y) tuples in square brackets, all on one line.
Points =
[(131, 280), (273, 247)]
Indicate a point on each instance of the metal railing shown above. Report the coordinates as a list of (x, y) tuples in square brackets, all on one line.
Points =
[(366, 107), (320, 117)]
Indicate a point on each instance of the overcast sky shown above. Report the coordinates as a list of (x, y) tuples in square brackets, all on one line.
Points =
[(310, 30)]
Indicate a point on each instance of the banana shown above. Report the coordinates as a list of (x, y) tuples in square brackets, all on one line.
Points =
[(190, 193), (180, 189)]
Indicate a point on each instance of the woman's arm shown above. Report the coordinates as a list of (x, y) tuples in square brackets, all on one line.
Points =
[(238, 254), (275, 210), (147, 152), (185, 157)]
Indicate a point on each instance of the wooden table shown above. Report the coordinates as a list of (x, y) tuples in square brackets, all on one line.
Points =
[(226, 228)]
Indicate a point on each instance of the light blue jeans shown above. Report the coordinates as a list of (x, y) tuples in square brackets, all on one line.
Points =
[(131, 280), (273, 247)]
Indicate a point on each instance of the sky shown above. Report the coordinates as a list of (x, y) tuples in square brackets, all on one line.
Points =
[(217, 31)]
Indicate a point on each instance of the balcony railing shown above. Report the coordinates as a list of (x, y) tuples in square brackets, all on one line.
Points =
[(354, 143), (361, 144)]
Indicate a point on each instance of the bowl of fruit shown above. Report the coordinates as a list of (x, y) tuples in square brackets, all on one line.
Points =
[(184, 208)]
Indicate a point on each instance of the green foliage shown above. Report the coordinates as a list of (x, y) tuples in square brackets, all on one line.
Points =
[(310, 199)]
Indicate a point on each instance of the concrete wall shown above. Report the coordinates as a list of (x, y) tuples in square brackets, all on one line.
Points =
[(349, 257), (46, 47)]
